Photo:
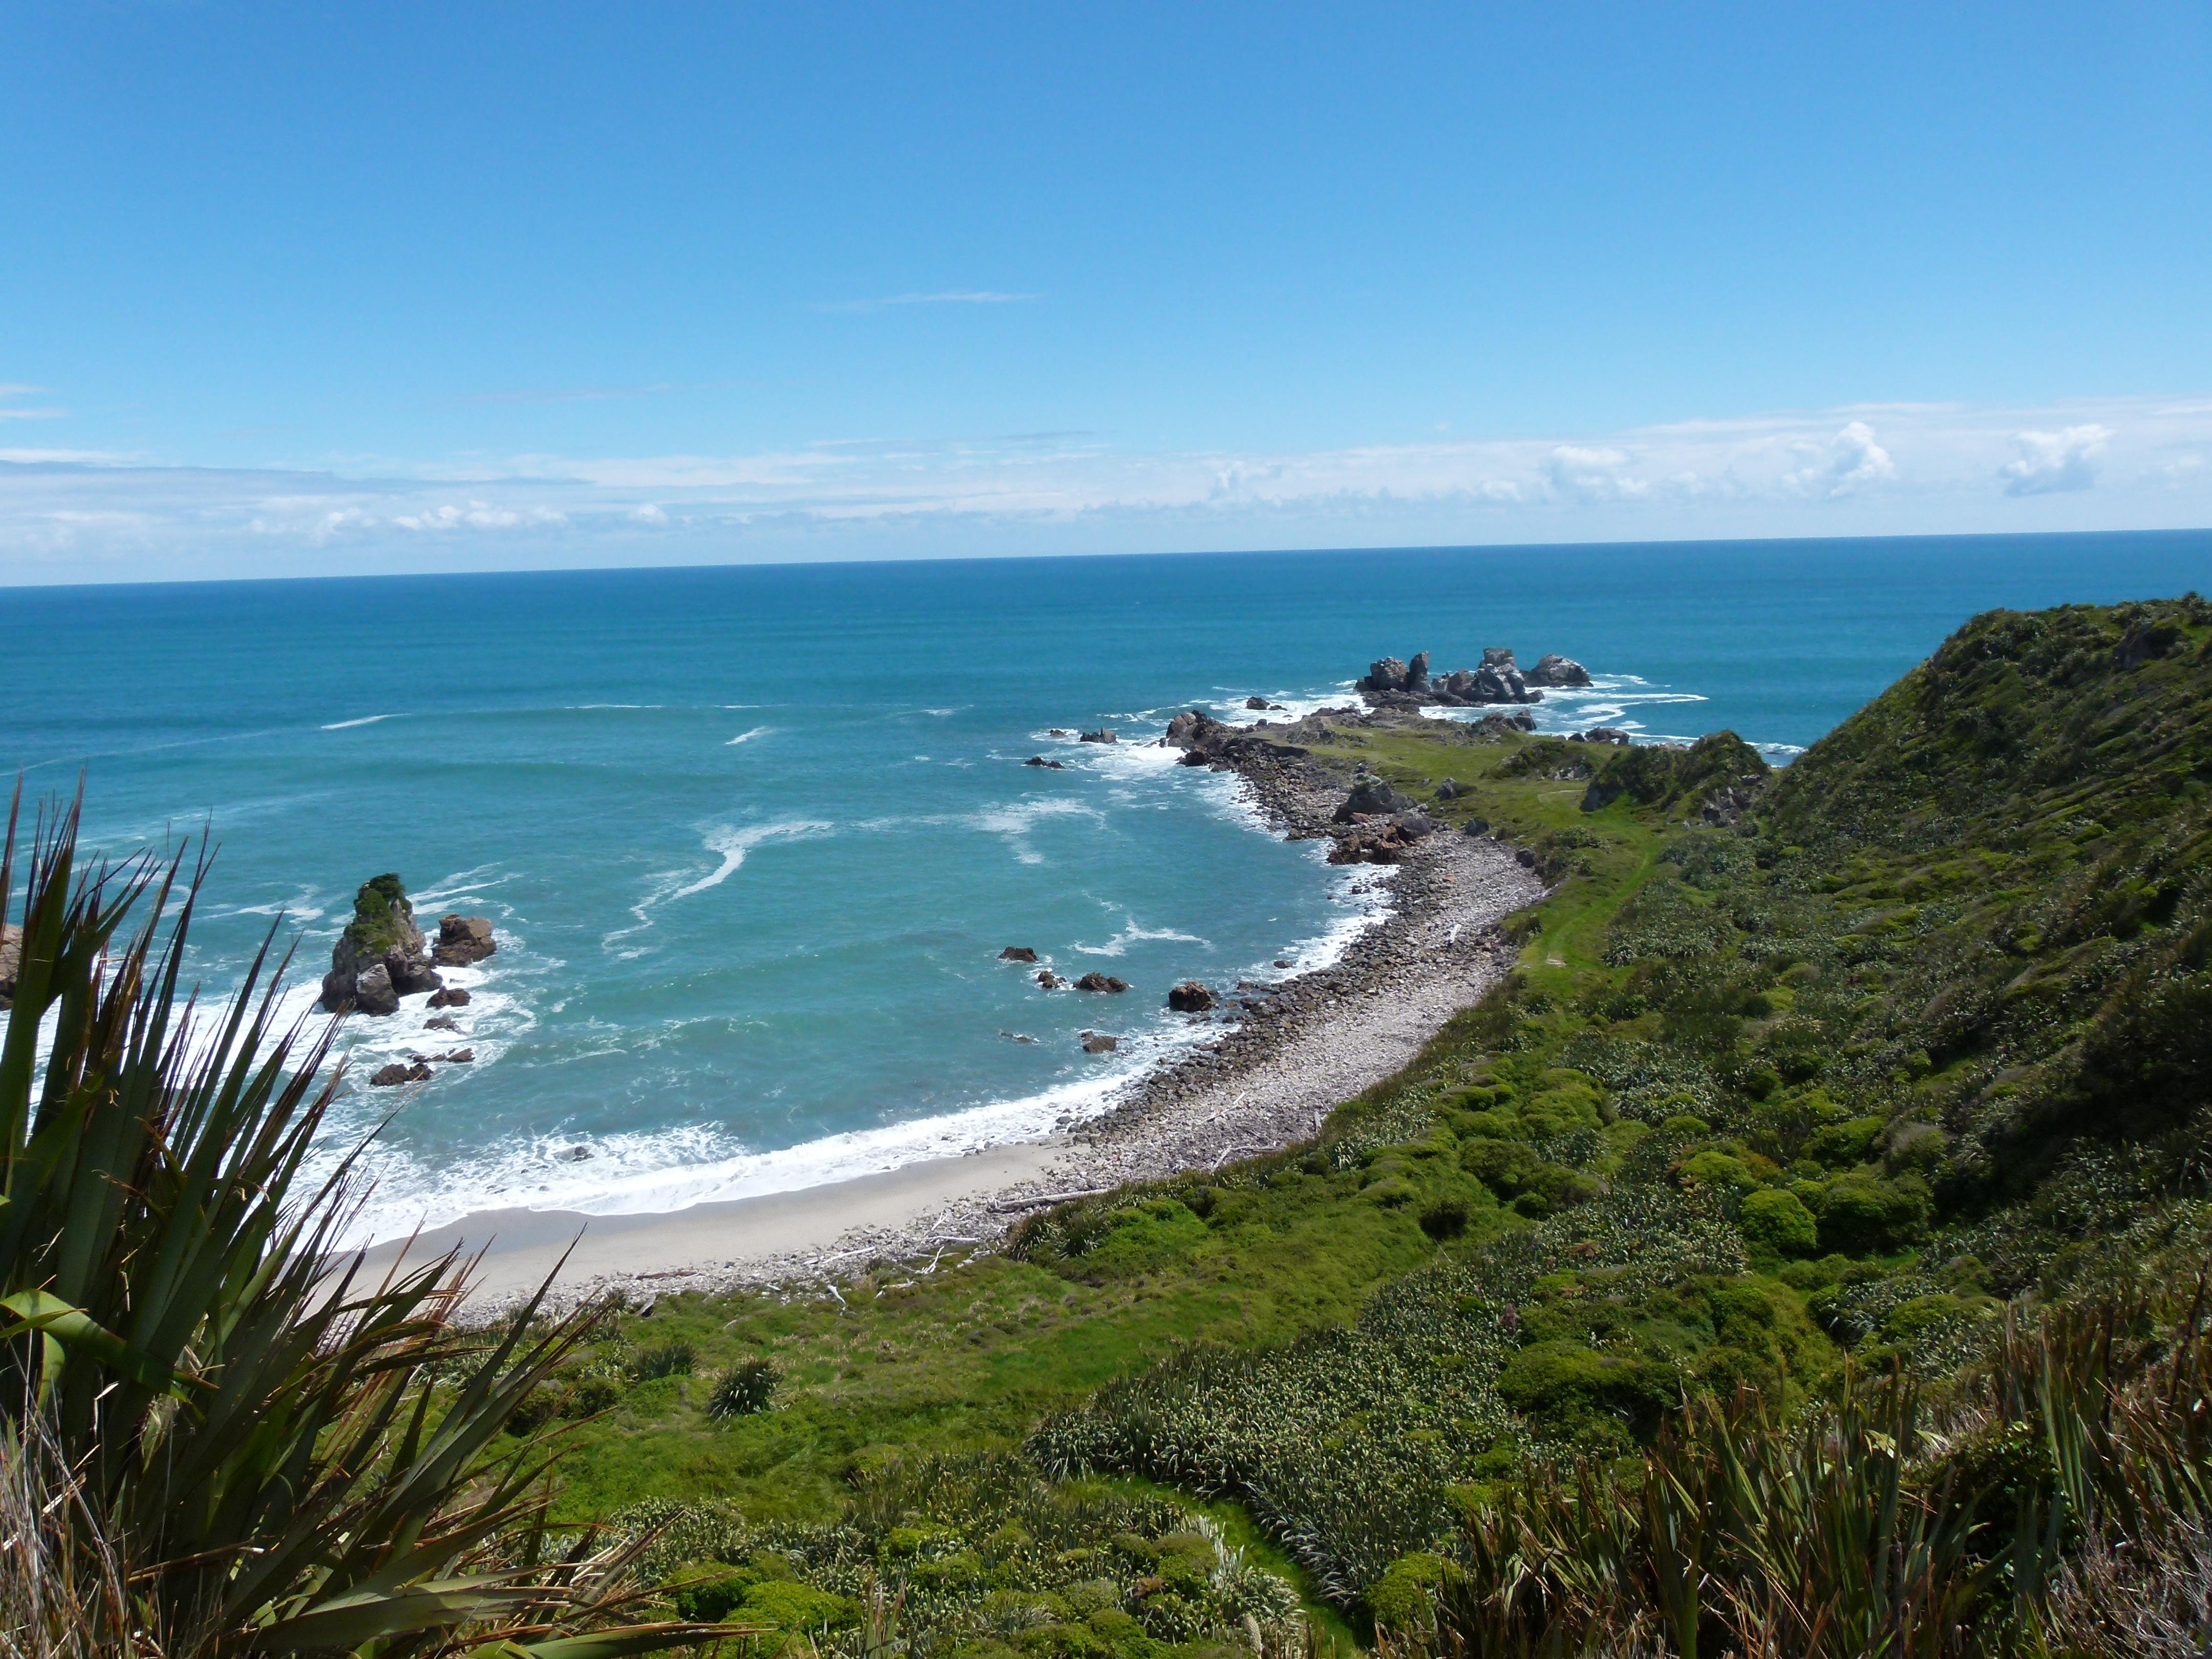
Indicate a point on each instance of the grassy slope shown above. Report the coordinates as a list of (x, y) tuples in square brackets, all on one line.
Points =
[(1920, 1030)]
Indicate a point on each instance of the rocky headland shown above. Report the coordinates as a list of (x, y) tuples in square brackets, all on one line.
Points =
[(1390, 684)]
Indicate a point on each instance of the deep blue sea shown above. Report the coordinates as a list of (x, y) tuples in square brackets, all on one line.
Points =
[(753, 836)]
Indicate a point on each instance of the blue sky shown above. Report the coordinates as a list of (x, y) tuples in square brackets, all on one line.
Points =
[(294, 289)]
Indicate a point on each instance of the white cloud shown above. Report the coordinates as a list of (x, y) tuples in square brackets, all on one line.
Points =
[(2052, 461), (477, 515), (1592, 474), (1850, 462), (80, 515), (32, 414)]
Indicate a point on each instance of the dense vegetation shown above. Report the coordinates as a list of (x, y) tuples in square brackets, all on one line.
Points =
[(1802, 1252), (1813, 1090), (215, 1437)]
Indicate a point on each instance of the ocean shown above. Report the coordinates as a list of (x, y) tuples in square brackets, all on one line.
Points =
[(753, 836)]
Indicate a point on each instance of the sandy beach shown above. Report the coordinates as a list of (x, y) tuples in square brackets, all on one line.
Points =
[(1287, 1051)]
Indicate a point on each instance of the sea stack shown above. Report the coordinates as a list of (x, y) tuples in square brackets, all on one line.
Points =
[(381, 956)]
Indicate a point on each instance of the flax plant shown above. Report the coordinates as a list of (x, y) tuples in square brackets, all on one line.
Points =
[(245, 1444)]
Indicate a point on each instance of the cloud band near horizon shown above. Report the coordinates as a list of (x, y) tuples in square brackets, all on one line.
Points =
[(2113, 464)]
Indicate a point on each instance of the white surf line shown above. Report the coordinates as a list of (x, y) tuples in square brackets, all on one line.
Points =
[(366, 719)]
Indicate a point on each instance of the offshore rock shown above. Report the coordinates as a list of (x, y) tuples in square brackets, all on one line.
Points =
[(1051, 980), (371, 991), (1017, 953), (1552, 669), (463, 941), (1190, 997), (386, 1076), (449, 996), (1104, 734), (1097, 981), (1049, 765), (383, 940), (1097, 1043), (1256, 702)]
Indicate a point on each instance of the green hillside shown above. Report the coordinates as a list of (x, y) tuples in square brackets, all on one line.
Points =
[(1806, 1079)]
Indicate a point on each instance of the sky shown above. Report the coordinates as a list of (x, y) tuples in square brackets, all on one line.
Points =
[(306, 289)]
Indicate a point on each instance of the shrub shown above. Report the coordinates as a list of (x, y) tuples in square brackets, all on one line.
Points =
[(674, 1357), (1776, 1220), (1585, 1396), (743, 1389), (1404, 1597), (1446, 1218)]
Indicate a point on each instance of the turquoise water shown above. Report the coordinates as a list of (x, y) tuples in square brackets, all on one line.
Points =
[(752, 836)]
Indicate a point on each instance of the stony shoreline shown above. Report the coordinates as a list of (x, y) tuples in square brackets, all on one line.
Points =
[(1286, 1051)]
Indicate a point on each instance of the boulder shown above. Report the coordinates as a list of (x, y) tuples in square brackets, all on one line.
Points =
[(463, 941), (458, 1057), (1417, 673), (1258, 703), (11, 956), (1604, 734), (1190, 997), (448, 996), (1451, 789), (1097, 1043), (382, 938), (1049, 765), (1283, 962), (1370, 796), (386, 1076), (1413, 823), (1385, 674), (1051, 980), (373, 993), (1552, 669), (1097, 981), (441, 1023), (1104, 734), (1017, 953)]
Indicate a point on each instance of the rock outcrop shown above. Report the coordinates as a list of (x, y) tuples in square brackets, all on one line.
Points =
[(1048, 765), (1051, 980), (1552, 669), (1017, 953), (386, 1076), (1097, 1043), (463, 941), (1369, 797), (1190, 997), (1097, 981), (1390, 684), (451, 996), (381, 956), (1104, 734), (1600, 734)]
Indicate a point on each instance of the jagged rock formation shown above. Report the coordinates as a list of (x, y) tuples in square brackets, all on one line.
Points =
[(1190, 997), (463, 941), (381, 956), (1390, 684)]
